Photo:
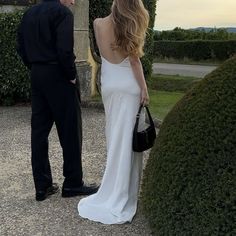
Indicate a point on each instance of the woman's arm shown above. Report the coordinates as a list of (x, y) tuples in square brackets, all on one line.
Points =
[(95, 28), (137, 68)]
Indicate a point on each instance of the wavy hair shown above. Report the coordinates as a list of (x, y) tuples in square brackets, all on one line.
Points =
[(131, 20)]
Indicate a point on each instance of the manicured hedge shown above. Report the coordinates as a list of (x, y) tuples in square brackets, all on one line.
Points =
[(97, 9), (14, 81), (195, 49), (101, 8), (189, 184), (147, 60)]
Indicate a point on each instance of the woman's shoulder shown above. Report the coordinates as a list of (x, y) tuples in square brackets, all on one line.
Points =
[(100, 21), (97, 21)]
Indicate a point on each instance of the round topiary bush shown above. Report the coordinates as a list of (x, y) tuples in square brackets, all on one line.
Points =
[(189, 185)]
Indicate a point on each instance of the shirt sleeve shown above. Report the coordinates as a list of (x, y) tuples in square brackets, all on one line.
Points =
[(65, 46)]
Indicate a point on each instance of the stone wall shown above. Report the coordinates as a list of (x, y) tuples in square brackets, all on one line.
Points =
[(81, 46), (81, 29), (9, 8), (12, 5)]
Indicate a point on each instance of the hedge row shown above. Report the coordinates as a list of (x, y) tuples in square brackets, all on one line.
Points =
[(178, 34), (14, 80), (101, 8), (195, 49)]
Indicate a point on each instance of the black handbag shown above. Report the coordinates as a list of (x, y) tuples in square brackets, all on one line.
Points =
[(144, 139)]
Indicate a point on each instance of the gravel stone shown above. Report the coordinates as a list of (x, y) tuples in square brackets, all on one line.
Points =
[(20, 214)]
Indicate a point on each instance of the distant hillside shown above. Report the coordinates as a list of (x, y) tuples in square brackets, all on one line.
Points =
[(207, 29)]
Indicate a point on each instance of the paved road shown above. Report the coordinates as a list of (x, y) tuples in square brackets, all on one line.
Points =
[(179, 69), (20, 214)]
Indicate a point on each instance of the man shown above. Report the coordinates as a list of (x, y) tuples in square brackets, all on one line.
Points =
[(45, 44)]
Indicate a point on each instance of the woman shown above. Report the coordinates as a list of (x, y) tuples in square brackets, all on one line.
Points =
[(120, 39)]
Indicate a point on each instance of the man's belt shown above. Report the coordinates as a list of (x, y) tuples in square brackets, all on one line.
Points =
[(45, 63)]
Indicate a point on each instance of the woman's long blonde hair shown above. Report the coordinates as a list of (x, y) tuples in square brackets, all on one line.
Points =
[(131, 21)]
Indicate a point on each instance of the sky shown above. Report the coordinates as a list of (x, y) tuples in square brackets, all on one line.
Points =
[(195, 13)]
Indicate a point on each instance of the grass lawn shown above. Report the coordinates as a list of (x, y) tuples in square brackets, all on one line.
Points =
[(161, 102), (166, 90), (174, 77), (172, 83)]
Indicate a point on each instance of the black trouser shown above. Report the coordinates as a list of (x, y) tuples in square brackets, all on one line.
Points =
[(55, 99)]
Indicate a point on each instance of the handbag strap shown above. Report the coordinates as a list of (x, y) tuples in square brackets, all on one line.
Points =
[(149, 116), (138, 116)]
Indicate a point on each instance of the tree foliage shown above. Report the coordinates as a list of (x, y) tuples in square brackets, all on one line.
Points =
[(179, 34)]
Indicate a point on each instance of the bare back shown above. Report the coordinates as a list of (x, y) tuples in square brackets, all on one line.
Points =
[(104, 32)]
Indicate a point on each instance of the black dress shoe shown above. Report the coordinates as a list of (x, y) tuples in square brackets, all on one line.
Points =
[(83, 190), (43, 194)]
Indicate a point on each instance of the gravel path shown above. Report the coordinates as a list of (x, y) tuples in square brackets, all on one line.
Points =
[(20, 214), (180, 69)]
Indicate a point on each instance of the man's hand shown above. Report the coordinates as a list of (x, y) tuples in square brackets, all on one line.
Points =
[(73, 81)]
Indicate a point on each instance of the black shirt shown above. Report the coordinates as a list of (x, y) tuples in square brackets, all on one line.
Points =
[(45, 35)]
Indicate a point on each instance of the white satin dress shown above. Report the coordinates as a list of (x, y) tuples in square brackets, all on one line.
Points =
[(116, 200)]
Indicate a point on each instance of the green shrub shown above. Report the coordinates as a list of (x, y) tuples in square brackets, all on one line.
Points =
[(195, 49), (101, 8), (189, 184), (147, 60), (97, 9), (14, 81)]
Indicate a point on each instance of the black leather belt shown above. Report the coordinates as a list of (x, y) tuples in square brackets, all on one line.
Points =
[(46, 63)]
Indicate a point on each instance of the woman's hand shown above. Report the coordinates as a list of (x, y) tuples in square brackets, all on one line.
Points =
[(73, 81), (144, 100)]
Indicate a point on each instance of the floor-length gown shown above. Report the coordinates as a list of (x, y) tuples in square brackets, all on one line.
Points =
[(116, 200)]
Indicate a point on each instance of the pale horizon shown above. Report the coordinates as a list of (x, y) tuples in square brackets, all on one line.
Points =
[(197, 13)]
